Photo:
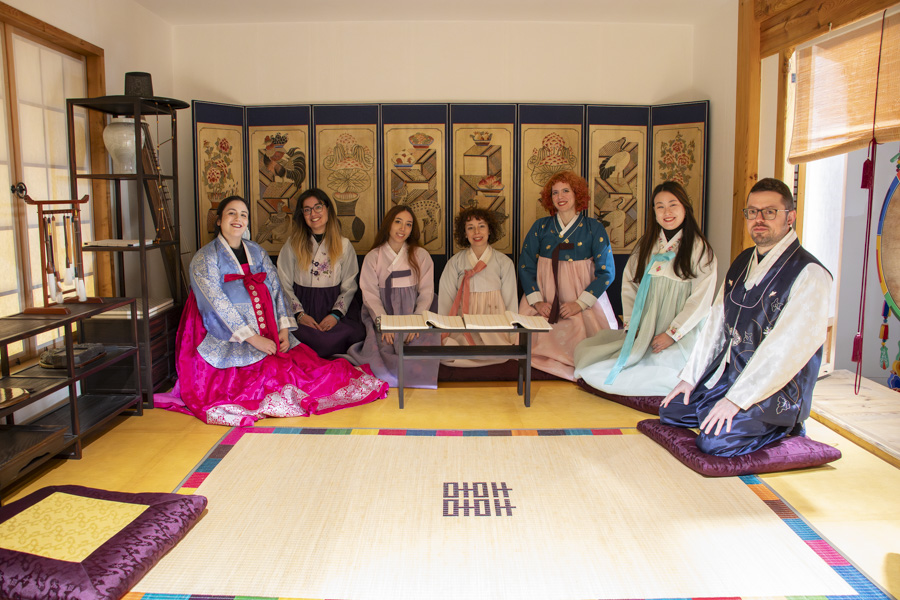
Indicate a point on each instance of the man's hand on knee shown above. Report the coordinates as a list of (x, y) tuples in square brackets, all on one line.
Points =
[(721, 414), (682, 387)]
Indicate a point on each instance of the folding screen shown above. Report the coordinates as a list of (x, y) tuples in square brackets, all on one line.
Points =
[(347, 145), (483, 142), (680, 149), (219, 159), (415, 151), (439, 158), (550, 141), (278, 141)]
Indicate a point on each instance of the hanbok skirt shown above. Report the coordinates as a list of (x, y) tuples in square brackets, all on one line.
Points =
[(553, 352), (480, 303), (383, 358), (296, 383), (318, 302), (645, 373)]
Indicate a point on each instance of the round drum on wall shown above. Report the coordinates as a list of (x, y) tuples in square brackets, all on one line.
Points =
[(887, 246)]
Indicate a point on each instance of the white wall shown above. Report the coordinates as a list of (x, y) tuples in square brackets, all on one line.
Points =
[(715, 77), (133, 39), (469, 62), (770, 72), (851, 269)]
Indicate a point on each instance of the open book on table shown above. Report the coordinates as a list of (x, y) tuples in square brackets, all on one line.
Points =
[(506, 320), (422, 321), (432, 319)]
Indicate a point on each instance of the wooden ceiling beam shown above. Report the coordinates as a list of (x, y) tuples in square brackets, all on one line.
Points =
[(799, 22), (766, 8)]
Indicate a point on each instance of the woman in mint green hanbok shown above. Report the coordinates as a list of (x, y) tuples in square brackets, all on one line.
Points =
[(667, 288)]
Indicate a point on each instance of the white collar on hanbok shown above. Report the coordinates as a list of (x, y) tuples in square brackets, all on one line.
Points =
[(565, 228), (759, 268), (664, 245), (395, 256), (485, 256), (227, 246)]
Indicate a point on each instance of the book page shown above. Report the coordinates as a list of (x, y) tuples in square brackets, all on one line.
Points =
[(401, 322), (536, 322), (444, 321), (487, 322)]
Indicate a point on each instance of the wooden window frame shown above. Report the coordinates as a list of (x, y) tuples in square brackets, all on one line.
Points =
[(18, 22), (766, 28)]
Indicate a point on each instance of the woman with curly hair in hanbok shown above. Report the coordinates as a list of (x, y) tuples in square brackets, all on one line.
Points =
[(565, 267)]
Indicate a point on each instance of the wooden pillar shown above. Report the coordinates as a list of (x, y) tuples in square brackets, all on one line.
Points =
[(782, 136), (746, 122), (100, 203)]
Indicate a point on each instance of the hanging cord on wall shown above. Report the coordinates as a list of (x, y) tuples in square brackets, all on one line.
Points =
[(868, 182)]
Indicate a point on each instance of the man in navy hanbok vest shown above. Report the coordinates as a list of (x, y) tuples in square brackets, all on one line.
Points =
[(749, 380)]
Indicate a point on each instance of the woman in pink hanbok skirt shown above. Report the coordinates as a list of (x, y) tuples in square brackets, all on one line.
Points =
[(236, 359)]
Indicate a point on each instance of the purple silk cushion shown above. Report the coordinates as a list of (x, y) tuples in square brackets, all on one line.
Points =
[(115, 566), (794, 452), (645, 404)]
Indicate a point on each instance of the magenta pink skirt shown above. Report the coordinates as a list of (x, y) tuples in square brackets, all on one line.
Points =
[(296, 383)]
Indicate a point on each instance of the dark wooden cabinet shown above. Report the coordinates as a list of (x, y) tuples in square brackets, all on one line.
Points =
[(90, 403), (162, 331)]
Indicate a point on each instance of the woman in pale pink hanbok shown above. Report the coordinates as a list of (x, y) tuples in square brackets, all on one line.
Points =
[(397, 278), (565, 267), (477, 281), (236, 359)]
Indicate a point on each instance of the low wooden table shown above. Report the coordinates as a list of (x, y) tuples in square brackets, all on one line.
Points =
[(520, 352)]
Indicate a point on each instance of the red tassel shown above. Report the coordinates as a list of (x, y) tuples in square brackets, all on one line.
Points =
[(868, 175), (856, 355)]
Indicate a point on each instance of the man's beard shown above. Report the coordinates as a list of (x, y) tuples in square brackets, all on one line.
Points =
[(769, 237)]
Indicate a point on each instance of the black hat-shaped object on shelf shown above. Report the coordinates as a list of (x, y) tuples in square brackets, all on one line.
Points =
[(140, 84)]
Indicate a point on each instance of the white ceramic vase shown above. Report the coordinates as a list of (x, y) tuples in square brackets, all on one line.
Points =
[(118, 137)]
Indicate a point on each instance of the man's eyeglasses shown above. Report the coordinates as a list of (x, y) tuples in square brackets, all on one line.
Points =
[(767, 213), (318, 208)]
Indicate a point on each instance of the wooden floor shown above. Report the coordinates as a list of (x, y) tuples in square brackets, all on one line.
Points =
[(853, 502), (871, 418)]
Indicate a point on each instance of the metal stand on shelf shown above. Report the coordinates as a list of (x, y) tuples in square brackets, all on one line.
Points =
[(54, 284)]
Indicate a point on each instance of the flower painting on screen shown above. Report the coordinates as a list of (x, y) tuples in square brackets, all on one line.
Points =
[(678, 156), (220, 171)]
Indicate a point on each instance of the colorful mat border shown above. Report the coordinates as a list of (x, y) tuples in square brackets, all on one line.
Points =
[(865, 588)]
